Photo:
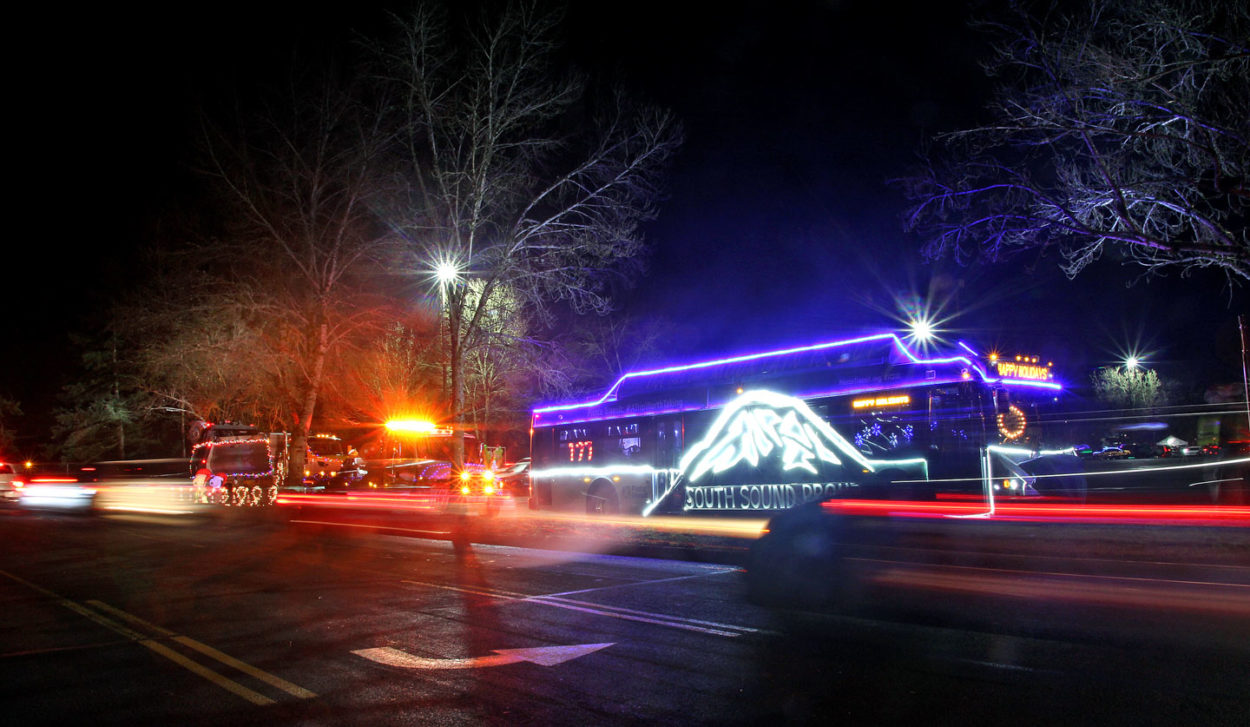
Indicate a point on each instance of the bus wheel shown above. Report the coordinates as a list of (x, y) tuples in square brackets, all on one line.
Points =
[(602, 500)]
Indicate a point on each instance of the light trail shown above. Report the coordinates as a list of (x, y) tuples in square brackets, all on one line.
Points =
[(432, 504), (1227, 599), (1052, 512)]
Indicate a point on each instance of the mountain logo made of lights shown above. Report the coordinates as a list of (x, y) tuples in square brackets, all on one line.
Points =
[(764, 430)]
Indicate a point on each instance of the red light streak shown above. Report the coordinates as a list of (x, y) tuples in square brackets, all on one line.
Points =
[(390, 502), (1053, 512)]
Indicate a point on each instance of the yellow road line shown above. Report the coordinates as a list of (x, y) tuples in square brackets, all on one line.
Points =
[(154, 646), (260, 674), (101, 606), (205, 649), (221, 681)]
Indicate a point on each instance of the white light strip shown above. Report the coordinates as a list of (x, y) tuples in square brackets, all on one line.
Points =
[(597, 472)]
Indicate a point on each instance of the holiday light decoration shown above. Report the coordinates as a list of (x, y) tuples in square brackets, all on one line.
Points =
[(1012, 423), (969, 367), (204, 447)]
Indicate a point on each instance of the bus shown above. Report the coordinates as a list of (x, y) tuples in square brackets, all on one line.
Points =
[(863, 417)]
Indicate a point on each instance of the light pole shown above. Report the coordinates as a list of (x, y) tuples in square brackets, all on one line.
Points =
[(1245, 378), (448, 271)]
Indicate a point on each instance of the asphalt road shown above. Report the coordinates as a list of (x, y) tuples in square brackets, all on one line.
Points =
[(243, 621)]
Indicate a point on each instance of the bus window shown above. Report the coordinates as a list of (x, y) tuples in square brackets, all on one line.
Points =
[(668, 441)]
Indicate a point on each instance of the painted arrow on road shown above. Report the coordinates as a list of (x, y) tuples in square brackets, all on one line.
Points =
[(544, 655)]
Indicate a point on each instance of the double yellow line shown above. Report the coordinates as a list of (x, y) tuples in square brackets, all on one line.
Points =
[(96, 610)]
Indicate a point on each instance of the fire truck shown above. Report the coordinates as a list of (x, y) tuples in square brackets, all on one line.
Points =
[(237, 465)]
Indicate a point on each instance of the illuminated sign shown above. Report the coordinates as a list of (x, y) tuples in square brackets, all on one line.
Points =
[(581, 451), (763, 425), (764, 431), (761, 497), (876, 402), (1024, 367)]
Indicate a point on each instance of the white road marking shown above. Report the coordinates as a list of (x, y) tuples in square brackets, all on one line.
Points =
[(542, 655), (678, 622), (640, 583)]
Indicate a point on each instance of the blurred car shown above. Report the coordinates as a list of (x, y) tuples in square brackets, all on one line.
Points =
[(9, 484), (801, 559), (1212, 450), (58, 488), (1191, 450), (514, 479)]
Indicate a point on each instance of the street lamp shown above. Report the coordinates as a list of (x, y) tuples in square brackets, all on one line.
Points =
[(1131, 363), (446, 272), (921, 329)]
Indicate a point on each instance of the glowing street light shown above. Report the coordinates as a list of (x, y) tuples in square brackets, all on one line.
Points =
[(446, 272), (1131, 363), (921, 329)]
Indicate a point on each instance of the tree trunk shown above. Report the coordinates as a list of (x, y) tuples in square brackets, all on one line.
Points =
[(303, 428), (456, 363)]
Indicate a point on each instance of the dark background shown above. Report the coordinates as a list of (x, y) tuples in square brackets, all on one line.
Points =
[(781, 226)]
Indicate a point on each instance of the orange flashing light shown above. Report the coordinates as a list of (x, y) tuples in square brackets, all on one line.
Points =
[(410, 425)]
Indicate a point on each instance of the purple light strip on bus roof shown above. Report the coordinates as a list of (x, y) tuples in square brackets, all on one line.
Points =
[(802, 395), (898, 343)]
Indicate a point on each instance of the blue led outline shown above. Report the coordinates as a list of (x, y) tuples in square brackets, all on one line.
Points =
[(610, 395), (801, 395)]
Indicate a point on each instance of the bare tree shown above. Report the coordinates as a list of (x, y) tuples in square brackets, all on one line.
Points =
[(1123, 126), (393, 373), (302, 263), (189, 350), (517, 183)]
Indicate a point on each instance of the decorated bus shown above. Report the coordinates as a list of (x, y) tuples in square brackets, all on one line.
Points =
[(863, 417)]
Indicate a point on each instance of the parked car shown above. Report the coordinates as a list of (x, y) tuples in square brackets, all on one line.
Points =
[(1111, 453), (1142, 451), (1191, 450)]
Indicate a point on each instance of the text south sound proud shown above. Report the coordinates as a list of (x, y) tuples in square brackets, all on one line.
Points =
[(759, 497)]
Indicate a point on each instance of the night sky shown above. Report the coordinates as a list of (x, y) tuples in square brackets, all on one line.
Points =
[(781, 226)]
